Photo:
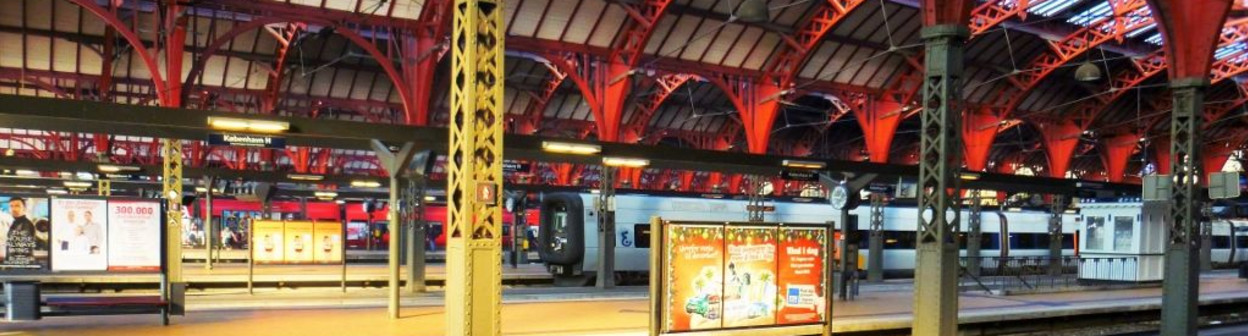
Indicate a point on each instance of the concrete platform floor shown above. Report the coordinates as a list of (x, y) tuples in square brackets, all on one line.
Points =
[(578, 311), (196, 273)]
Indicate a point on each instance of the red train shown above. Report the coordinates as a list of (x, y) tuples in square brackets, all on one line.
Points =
[(365, 230)]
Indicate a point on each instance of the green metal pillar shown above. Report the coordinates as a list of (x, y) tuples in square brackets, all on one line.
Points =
[(974, 234), (936, 270), (1055, 235), (754, 207), (414, 209), (875, 260), (1181, 285), (606, 228)]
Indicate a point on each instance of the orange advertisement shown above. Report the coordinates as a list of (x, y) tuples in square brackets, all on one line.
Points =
[(327, 239), (267, 236), (750, 277), (695, 261), (299, 249), (801, 268)]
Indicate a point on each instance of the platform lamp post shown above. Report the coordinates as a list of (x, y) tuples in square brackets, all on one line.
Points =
[(1055, 234), (975, 232), (606, 227), (475, 170), (875, 261), (394, 160), (936, 271), (416, 176)]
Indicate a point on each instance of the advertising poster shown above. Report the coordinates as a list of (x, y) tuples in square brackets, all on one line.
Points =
[(801, 293), (750, 277), (25, 233), (327, 239), (269, 241), (299, 249), (79, 228), (134, 235), (695, 279)]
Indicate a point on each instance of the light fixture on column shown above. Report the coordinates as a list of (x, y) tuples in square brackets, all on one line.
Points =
[(1087, 72)]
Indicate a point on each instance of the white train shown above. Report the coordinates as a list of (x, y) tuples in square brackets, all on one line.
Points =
[(568, 239)]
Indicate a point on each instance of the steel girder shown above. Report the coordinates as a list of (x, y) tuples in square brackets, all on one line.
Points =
[(664, 85), (531, 121), (1116, 153)]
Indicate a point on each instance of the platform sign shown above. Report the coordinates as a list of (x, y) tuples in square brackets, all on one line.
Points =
[(743, 277), (134, 235), (24, 233), (79, 234), (299, 243), (246, 140), (802, 291), (695, 278), (800, 175), (327, 242), (269, 240), (513, 166), (750, 277)]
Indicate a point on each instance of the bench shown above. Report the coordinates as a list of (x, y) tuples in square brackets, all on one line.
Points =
[(108, 305)]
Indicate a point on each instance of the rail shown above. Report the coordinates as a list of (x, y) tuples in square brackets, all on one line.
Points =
[(997, 275)]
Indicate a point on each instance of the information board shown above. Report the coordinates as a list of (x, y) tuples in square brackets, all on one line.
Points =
[(801, 275), (268, 235), (327, 237), (79, 241), (695, 277), (750, 277), (299, 245), (25, 233), (134, 235)]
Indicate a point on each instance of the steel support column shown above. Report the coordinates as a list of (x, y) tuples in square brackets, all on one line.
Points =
[(606, 228), (936, 268), (974, 233), (394, 160), (172, 193), (1055, 234), (475, 170), (208, 227), (754, 208), (1181, 282), (875, 258), (414, 209), (1206, 238)]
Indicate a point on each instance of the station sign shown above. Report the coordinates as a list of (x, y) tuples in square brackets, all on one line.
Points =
[(513, 166), (799, 175), (763, 208), (246, 140)]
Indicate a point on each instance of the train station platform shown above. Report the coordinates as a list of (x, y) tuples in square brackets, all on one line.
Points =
[(235, 275), (586, 311)]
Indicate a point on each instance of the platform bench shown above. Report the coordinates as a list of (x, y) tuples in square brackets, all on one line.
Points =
[(108, 305)]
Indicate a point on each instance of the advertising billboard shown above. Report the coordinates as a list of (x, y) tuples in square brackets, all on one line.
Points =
[(801, 256), (327, 239), (25, 233), (268, 235), (750, 277), (134, 235), (299, 244), (695, 277), (79, 234)]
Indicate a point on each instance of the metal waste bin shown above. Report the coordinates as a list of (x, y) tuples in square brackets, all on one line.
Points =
[(21, 300)]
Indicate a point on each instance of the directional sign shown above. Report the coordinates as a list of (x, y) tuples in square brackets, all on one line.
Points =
[(246, 140), (799, 175), (512, 166)]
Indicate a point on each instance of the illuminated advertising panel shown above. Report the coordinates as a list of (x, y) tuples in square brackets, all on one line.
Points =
[(134, 235), (750, 277), (695, 277), (801, 279), (327, 242), (268, 235), (25, 233), (299, 243), (79, 234)]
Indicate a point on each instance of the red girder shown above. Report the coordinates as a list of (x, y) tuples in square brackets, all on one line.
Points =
[(632, 39), (272, 88), (664, 86), (789, 58), (1189, 28), (530, 121), (992, 13), (757, 103), (149, 60), (946, 12), (603, 85)]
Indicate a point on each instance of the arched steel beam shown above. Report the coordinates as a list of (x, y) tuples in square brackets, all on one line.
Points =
[(135, 41)]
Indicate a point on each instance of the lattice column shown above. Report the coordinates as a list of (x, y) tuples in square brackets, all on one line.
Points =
[(755, 208), (1182, 282), (172, 192), (936, 275), (974, 233), (606, 228), (875, 261), (475, 171), (1055, 234), (106, 187)]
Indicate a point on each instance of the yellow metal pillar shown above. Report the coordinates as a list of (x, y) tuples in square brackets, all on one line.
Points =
[(172, 192), (474, 179), (106, 187)]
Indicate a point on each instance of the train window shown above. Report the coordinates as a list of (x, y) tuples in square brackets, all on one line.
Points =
[(899, 240), (1221, 242), (641, 235), (1123, 233), (1241, 241), (990, 241), (1068, 242)]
